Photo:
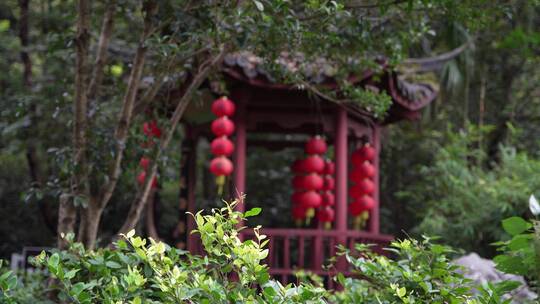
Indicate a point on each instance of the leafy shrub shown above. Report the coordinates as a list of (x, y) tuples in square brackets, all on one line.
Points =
[(521, 254), (420, 273), (27, 288), (140, 270), (137, 271)]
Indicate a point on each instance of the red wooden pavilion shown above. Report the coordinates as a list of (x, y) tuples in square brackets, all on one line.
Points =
[(264, 106)]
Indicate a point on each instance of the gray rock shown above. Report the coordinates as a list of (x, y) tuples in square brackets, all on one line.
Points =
[(483, 270)]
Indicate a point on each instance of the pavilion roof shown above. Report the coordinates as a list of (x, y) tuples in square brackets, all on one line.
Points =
[(408, 97)]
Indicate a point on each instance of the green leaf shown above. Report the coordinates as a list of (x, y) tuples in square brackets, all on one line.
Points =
[(130, 234), (71, 274), (401, 292), (113, 265), (4, 25), (259, 5), (515, 225), (253, 212)]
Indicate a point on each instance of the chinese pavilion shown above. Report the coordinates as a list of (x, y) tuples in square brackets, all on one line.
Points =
[(264, 106)]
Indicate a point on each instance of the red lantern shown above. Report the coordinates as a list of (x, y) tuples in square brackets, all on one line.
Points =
[(326, 215), (367, 186), (368, 151), (222, 146), (151, 129), (221, 166), (329, 167), (144, 162), (313, 182), (364, 187), (298, 166), (355, 208), (222, 126), (328, 198), (298, 183), (310, 199), (314, 164), (223, 107), (366, 169), (329, 183), (142, 177), (355, 192), (365, 153), (367, 202), (316, 145)]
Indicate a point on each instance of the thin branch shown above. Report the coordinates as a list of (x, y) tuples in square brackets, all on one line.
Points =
[(435, 62), (124, 121), (102, 49), (138, 205)]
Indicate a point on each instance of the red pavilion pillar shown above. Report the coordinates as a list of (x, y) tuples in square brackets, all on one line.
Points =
[(374, 224), (341, 155), (240, 152)]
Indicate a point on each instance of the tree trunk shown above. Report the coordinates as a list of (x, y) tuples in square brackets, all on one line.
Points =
[(92, 215), (89, 225), (67, 215), (67, 211), (151, 228)]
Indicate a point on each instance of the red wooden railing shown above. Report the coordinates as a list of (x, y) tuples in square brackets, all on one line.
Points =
[(291, 250)]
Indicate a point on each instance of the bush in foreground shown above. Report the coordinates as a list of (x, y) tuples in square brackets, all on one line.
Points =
[(137, 270)]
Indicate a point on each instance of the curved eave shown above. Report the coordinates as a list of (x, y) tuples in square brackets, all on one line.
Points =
[(407, 98)]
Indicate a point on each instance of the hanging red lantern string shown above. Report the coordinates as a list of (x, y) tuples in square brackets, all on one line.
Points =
[(150, 130), (327, 213), (222, 146), (314, 166), (363, 188)]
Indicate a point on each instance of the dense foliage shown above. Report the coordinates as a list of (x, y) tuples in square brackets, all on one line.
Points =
[(141, 270), (462, 195)]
